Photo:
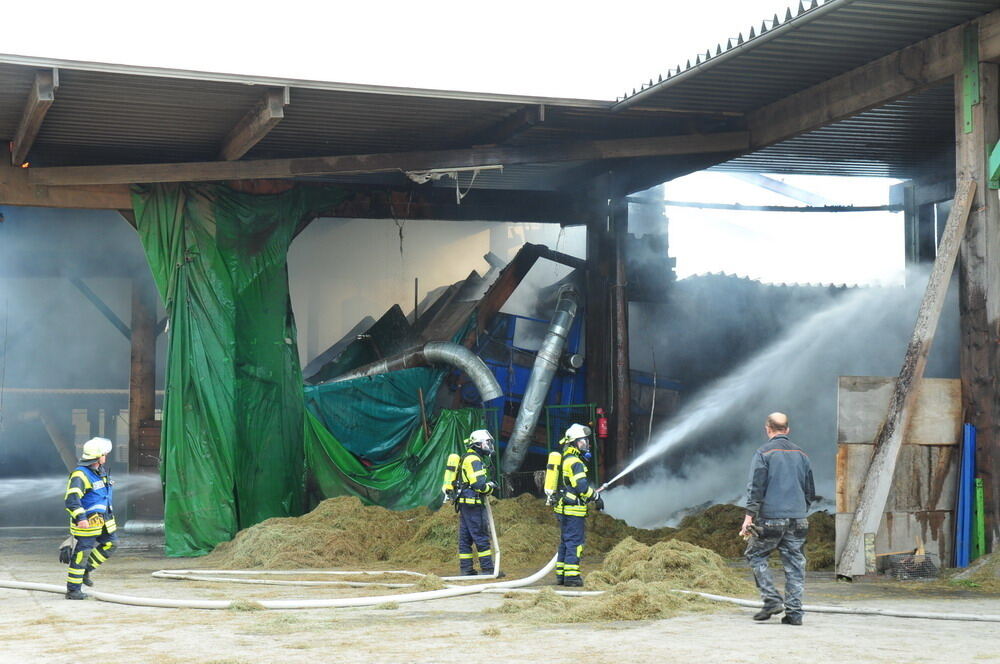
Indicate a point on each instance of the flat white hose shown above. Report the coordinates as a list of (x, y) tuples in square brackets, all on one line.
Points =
[(818, 608), (453, 591)]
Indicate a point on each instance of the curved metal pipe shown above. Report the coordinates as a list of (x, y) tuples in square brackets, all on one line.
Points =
[(434, 352), (546, 363)]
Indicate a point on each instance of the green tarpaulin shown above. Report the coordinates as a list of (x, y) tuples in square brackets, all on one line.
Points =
[(235, 446), (412, 478), (372, 416), (231, 446)]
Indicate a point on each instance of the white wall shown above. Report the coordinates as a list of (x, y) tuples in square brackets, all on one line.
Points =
[(341, 270)]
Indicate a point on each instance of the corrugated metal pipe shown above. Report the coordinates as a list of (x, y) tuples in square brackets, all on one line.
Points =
[(546, 363), (435, 352)]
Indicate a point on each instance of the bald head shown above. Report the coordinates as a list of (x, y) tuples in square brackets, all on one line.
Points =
[(777, 423)]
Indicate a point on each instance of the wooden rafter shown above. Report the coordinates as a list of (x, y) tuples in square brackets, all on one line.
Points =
[(391, 161), (256, 124), (512, 126), (40, 98)]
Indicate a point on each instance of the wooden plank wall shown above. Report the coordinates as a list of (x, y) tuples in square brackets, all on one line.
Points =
[(922, 501)]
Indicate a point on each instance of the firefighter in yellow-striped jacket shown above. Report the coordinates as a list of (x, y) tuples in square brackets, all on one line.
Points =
[(574, 494), (467, 483), (91, 518)]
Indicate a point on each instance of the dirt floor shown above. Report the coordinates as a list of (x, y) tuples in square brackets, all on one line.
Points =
[(44, 627)]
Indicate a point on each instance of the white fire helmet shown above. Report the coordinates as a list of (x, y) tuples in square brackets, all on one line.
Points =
[(95, 448), (481, 440), (576, 432)]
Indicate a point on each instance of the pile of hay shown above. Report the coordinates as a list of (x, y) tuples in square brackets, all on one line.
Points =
[(983, 575), (716, 528), (639, 581), (343, 531), (820, 542), (676, 563)]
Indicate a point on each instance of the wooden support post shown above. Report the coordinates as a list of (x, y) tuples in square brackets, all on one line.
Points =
[(979, 292), (878, 481), (621, 402), (142, 380), (598, 322)]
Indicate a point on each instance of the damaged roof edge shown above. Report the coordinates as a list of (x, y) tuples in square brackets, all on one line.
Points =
[(726, 54), (240, 79)]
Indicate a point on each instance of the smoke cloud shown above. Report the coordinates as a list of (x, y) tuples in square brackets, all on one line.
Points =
[(703, 453)]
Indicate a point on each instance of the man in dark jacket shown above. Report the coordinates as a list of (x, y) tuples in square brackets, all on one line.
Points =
[(778, 497)]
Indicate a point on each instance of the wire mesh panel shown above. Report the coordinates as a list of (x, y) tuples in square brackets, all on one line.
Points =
[(912, 566)]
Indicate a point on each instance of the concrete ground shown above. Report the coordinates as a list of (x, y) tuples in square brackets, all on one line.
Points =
[(44, 627)]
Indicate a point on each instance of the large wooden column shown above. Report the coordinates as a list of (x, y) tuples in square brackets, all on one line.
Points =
[(142, 379), (598, 324), (621, 379), (979, 285)]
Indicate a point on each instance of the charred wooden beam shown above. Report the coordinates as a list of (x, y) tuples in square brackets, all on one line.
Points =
[(40, 98), (512, 126), (501, 289), (142, 376), (392, 161), (256, 124)]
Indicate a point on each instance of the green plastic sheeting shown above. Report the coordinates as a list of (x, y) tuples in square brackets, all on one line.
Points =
[(411, 479), (372, 416), (232, 449)]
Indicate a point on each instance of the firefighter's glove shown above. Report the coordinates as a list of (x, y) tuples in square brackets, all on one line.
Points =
[(66, 550), (599, 504), (490, 487)]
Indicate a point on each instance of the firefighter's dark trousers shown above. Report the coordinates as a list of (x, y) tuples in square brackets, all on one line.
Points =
[(571, 540), (473, 528), (88, 555)]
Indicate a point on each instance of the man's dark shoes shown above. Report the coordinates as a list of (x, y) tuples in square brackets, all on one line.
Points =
[(791, 620), (471, 572), (767, 612), (560, 580), (86, 580), (76, 594), (573, 581)]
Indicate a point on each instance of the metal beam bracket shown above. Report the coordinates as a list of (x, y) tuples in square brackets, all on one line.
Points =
[(993, 167), (970, 74)]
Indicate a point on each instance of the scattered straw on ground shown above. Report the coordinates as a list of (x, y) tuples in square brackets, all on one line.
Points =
[(639, 581)]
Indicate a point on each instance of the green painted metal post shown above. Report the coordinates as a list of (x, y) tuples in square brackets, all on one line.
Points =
[(970, 74), (978, 523)]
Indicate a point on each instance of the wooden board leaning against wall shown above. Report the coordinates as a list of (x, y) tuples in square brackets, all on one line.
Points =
[(922, 500)]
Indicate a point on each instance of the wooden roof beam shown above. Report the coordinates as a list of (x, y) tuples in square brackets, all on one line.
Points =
[(40, 98), (16, 190), (256, 124), (512, 126), (737, 141)]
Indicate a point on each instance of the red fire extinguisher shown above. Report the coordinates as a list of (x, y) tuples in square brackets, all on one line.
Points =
[(602, 424)]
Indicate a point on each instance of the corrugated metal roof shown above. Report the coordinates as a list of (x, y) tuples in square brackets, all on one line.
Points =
[(808, 46)]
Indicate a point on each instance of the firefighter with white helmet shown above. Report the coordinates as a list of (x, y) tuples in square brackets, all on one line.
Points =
[(91, 518), (467, 482), (566, 481)]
